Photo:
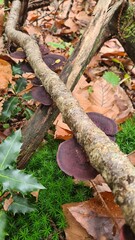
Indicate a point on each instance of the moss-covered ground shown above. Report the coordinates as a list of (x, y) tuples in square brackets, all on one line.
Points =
[(48, 222)]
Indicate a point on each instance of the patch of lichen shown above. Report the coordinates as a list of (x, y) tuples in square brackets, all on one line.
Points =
[(127, 24)]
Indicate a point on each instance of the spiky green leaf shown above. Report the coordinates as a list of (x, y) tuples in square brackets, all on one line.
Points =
[(2, 225), (27, 96), (8, 107), (20, 205), (20, 84), (112, 78), (16, 69), (9, 149), (18, 180)]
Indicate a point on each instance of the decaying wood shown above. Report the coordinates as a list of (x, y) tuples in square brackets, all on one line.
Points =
[(34, 4), (119, 26), (86, 48), (103, 154)]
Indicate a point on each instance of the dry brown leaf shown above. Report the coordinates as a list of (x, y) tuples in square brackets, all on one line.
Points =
[(7, 203), (65, 7), (32, 16), (5, 74), (106, 99), (72, 27), (74, 231), (124, 104), (61, 133), (131, 157), (35, 194), (110, 46), (33, 30), (83, 18), (96, 219)]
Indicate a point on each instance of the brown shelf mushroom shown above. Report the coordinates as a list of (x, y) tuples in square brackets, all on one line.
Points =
[(72, 159)]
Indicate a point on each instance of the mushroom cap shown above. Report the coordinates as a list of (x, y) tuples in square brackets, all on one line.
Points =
[(40, 94), (107, 125), (73, 160), (71, 157)]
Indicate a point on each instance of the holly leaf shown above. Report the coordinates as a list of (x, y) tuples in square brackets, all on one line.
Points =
[(9, 149), (112, 78), (19, 181), (2, 225), (17, 69), (20, 84), (8, 107), (20, 205)]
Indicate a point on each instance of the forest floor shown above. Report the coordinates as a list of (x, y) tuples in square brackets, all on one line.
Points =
[(57, 29)]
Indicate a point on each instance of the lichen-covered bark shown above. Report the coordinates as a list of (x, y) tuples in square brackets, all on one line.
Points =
[(70, 75), (103, 154)]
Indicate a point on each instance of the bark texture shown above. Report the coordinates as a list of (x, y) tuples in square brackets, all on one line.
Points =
[(34, 4), (123, 27), (70, 75), (103, 154)]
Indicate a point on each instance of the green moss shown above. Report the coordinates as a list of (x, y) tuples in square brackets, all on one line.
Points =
[(126, 137), (47, 222), (60, 189), (127, 24)]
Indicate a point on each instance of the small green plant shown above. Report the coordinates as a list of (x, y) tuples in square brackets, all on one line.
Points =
[(48, 221), (14, 183), (15, 104), (62, 45), (112, 78)]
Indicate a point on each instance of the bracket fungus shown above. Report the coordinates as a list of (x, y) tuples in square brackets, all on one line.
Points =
[(71, 157)]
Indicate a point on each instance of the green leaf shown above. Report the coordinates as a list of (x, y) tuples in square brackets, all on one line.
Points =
[(17, 180), (6, 125), (20, 85), (9, 149), (2, 225), (20, 205), (90, 90), (28, 113), (119, 62), (57, 45), (27, 96), (8, 107), (16, 69), (112, 78), (1, 1)]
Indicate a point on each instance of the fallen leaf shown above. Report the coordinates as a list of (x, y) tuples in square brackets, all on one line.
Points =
[(74, 231), (95, 218), (131, 157), (5, 74), (35, 194), (7, 203), (61, 133), (113, 102)]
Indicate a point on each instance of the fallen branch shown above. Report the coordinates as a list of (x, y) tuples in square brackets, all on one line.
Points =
[(103, 154), (69, 75)]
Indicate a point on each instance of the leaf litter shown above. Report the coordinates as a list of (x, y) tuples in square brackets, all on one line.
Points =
[(63, 23)]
